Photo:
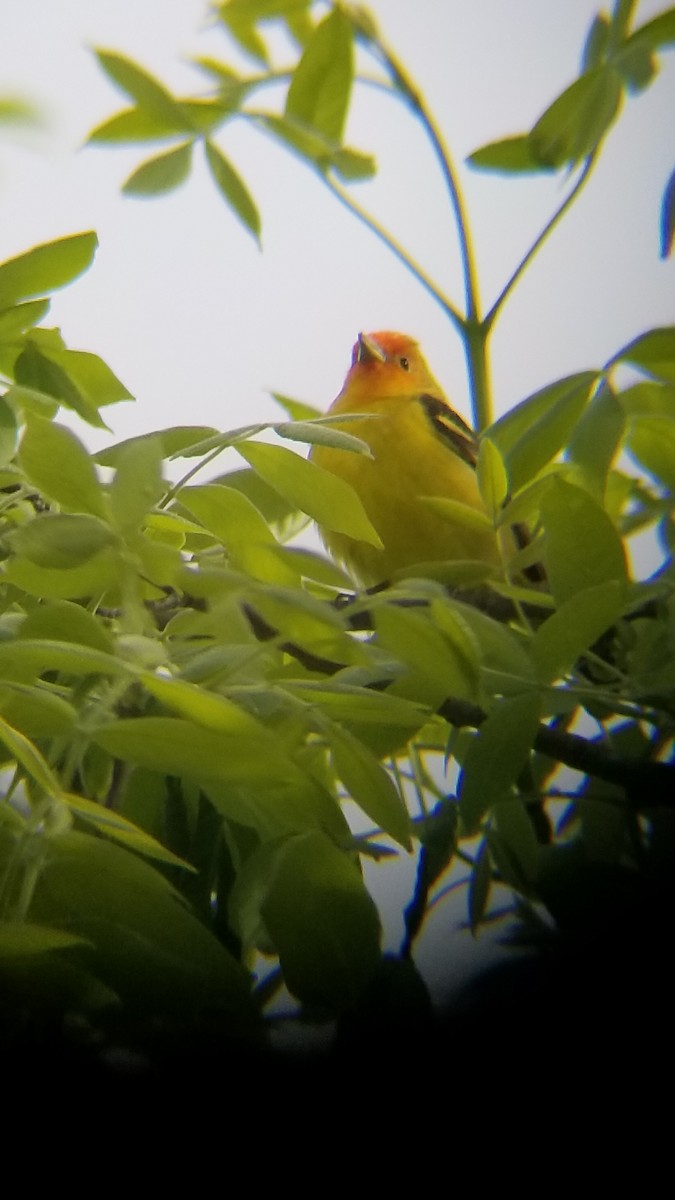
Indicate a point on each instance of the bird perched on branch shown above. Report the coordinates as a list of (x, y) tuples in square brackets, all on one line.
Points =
[(420, 448)]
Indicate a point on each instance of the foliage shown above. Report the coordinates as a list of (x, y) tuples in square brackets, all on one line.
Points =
[(189, 700)]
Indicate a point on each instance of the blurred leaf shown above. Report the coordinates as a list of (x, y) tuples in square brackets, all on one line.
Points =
[(651, 440), (596, 439), (21, 938), (19, 317), (93, 578), (597, 43), (57, 464), (655, 33), (368, 783), (161, 174), (29, 757), (533, 432), (63, 621), (41, 374), (137, 485), (668, 217), (575, 626), (582, 547), (321, 84), (480, 884), (119, 829), (242, 765), (652, 352), (440, 665), (49, 266), (61, 540), (457, 513), (282, 517), (227, 513), (150, 949), (133, 125), (9, 433), (496, 756), (296, 409), (142, 87), (321, 433), (319, 493), (576, 122), (35, 712), (323, 923), (316, 149), (172, 441), (508, 156), (513, 844), (233, 190), (492, 479)]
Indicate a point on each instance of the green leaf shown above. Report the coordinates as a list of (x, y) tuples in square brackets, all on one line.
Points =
[(582, 547), (652, 352), (651, 440), (133, 125), (492, 478), (242, 765), (173, 442), (61, 540), (480, 885), (321, 433), (29, 757), (496, 756), (513, 844), (575, 627), (161, 174), (440, 664), (508, 156), (596, 439), (668, 217), (49, 266), (63, 621), (150, 949), (19, 317), (457, 513), (142, 87), (233, 189), (283, 518), (31, 657), (368, 783), (576, 122), (35, 712), (321, 83), (8, 433), (655, 33), (93, 578), (596, 44), (137, 485), (119, 829), (536, 429), (296, 409), (21, 939), (58, 465), (323, 496), (228, 514), (323, 923)]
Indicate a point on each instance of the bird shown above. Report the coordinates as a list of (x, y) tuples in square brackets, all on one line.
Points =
[(420, 447)]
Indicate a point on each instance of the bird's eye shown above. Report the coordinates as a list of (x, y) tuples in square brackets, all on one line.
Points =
[(404, 362)]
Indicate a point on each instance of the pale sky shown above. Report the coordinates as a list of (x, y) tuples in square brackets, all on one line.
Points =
[(200, 324)]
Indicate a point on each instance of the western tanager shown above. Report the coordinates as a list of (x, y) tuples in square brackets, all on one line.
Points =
[(420, 448)]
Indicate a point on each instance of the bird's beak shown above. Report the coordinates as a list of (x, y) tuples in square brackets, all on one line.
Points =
[(369, 350)]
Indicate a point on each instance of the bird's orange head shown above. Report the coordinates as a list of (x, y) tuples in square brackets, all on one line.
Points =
[(388, 364)]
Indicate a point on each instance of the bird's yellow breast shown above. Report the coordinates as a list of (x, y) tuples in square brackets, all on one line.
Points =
[(410, 460)]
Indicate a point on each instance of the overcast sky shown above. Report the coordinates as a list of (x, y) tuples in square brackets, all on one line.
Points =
[(199, 323)]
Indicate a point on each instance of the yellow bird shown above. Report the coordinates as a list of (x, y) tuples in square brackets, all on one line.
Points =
[(420, 448)]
